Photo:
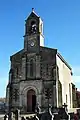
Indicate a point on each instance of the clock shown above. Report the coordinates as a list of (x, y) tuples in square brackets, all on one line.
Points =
[(32, 43)]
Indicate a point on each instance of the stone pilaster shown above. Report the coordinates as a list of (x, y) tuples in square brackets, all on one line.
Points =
[(37, 66), (23, 68)]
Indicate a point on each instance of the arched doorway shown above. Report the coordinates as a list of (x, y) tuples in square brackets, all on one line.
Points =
[(31, 100)]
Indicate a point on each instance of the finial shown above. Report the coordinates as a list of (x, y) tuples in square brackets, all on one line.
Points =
[(32, 9)]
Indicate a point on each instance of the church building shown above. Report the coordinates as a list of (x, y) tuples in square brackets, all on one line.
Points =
[(37, 71)]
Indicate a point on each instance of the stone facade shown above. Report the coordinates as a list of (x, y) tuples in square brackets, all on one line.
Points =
[(36, 68)]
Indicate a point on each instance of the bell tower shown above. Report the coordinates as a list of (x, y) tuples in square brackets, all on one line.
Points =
[(33, 37)]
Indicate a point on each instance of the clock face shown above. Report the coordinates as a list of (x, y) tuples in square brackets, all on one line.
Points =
[(32, 43)]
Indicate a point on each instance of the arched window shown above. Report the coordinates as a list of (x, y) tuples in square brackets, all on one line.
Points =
[(53, 73), (66, 98), (70, 93), (59, 93), (41, 28), (31, 67), (17, 71), (46, 69), (11, 75), (57, 72)]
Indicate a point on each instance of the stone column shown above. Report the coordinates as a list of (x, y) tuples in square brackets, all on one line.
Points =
[(23, 68), (37, 66), (55, 95), (39, 99), (20, 100), (17, 114), (55, 87)]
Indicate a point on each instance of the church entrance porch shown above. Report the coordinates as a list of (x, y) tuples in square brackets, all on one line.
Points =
[(31, 100)]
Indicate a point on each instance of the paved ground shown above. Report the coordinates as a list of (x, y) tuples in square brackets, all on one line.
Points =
[(28, 115), (1, 116)]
